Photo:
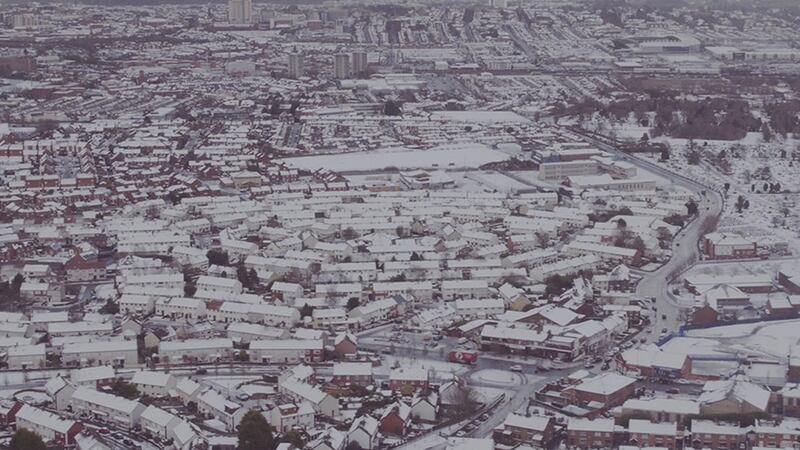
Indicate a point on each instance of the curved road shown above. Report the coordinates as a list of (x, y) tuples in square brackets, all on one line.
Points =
[(685, 248), (685, 253)]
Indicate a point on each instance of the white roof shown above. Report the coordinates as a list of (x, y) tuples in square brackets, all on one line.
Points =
[(92, 374), (670, 405), (652, 356), (157, 415), (395, 286), (599, 425), (464, 284), (367, 423), (44, 317), (534, 422), (44, 418), (187, 386), (490, 303), (352, 369), (183, 433), (304, 390), (181, 302), (195, 344), (100, 346), (409, 373), (286, 344), (26, 350), (711, 427), (79, 327), (606, 383), (152, 378), (285, 287), (647, 427), (54, 385), (218, 281), (114, 402), (376, 306)]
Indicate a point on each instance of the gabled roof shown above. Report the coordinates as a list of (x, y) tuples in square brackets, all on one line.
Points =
[(368, 424), (398, 408), (605, 384), (533, 422)]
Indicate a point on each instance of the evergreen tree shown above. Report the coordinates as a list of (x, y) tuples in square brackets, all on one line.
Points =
[(26, 440), (255, 433)]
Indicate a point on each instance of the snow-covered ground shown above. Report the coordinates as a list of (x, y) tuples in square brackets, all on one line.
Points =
[(497, 377), (467, 156), (439, 370), (771, 217), (773, 339)]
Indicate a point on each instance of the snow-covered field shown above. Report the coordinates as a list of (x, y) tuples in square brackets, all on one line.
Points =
[(439, 370), (770, 217), (773, 339), (497, 377), (481, 117), (759, 267), (470, 156)]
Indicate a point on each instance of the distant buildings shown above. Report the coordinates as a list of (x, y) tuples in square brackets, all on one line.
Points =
[(341, 65), (359, 62), (22, 21), (240, 11), (296, 66)]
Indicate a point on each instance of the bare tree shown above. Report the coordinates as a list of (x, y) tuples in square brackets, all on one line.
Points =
[(465, 400)]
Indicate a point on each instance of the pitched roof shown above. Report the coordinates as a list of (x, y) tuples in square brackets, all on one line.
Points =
[(533, 422)]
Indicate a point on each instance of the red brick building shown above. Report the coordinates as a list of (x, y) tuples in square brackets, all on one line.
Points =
[(416, 378), (49, 426), (8, 412), (608, 389), (589, 434), (537, 431), (644, 433), (352, 373), (79, 269), (781, 308), (396, 419), (777, 435), (716, 436), (729, 246), (705, 315), (345, 346)]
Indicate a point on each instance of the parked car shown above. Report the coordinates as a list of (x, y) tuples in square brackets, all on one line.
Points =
[(515, 368)]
